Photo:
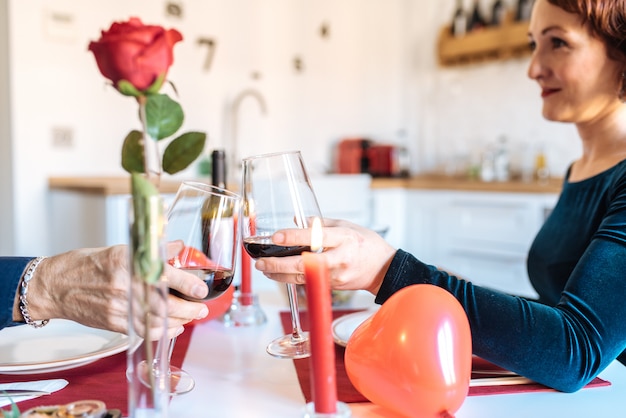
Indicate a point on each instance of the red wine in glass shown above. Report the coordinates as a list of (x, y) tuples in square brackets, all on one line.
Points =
[(262, 246), (217, 280)]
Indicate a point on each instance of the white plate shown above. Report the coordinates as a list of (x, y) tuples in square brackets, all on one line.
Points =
[(60, 345), (344, 326)]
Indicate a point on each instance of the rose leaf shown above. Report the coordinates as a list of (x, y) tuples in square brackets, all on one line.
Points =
[(132, 153), (182, 151), (164, 116)]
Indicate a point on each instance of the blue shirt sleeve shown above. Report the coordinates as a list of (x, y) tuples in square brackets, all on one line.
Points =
[(11, 270), (563, 346)]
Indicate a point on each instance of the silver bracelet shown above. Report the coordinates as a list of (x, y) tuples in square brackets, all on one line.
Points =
[(28, 275)]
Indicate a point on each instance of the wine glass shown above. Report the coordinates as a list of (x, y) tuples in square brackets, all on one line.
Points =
[(277, 194), (204, 218)]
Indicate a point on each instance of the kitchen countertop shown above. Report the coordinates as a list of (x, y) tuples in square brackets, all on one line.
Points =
[(441, 182), (120, 185), (103, 185)]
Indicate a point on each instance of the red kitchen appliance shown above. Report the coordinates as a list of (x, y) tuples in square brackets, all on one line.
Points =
[(351, 156), (360, 155)]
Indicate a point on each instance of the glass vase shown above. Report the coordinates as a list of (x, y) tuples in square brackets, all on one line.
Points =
[(147, 371)]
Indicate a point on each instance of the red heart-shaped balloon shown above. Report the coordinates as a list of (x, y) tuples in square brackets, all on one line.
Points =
[(192, 257), (218, 306), (414, 355)]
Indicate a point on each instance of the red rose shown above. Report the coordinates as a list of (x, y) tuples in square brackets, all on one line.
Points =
[(135, 52)]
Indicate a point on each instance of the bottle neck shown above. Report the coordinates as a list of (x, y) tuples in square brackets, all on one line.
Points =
[(218, 168)]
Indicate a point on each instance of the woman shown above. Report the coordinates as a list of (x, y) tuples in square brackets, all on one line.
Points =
[(577, 262), (89, 286)]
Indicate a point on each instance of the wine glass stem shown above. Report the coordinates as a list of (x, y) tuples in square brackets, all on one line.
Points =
[(292, 293), (170, 349)]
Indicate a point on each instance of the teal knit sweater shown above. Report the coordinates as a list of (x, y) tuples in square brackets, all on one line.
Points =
[(577, 265)]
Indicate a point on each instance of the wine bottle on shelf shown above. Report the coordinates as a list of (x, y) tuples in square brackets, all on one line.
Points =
[(459, 20), (524, 8), (476, 21), (498, 12)]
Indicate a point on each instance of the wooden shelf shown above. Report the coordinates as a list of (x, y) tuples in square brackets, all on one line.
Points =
[(492, 43)]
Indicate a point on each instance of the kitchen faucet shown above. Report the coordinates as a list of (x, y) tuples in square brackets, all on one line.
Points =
[(234, 143)]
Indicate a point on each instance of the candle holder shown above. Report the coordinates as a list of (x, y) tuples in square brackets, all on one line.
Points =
[(244, 311), (343, 411)]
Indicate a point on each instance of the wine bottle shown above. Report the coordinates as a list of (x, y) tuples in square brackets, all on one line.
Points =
[(498, 11), (459, 20), (476, 21), (524, 8), (212, 211), (218, 168)]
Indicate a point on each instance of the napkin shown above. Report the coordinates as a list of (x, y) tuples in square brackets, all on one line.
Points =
[(49, 385)]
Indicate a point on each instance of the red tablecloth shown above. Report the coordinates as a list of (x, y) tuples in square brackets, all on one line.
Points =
[(347, 393), (104, 379)]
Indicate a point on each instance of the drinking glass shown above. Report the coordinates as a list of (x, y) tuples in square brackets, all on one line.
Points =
[(277, 194), (205, 219)]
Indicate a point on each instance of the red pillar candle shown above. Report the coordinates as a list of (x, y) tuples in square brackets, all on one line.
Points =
[(246, 271), (319, 305), (246, 282)]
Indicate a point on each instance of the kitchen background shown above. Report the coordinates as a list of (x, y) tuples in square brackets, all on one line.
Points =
[(275, 74)]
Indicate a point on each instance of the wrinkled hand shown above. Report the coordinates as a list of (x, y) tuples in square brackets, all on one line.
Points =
[(357, 257), (90, 286)]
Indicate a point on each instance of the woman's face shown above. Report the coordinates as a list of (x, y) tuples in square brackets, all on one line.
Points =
[(579, 83)]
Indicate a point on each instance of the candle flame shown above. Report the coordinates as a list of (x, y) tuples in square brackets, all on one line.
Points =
[(316, 235)]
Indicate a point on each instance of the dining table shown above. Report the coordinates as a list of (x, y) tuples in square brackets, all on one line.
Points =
[(235, 377)]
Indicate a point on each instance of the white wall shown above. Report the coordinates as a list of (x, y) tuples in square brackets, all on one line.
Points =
[(463, 109), (376, 76), (6, 187)]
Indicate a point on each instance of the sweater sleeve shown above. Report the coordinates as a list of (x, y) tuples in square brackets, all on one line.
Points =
[(563, 346), (11, 270)]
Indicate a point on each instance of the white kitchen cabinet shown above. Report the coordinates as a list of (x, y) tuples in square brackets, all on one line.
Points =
[(481, 236), (83, 220), (94, 211), (344, 196), (389, 214)]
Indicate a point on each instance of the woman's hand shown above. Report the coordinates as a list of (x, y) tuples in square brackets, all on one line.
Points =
[(358, 258), (90, 286)]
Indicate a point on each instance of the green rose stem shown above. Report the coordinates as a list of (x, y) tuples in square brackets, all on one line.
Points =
[(147, 231), (151, 156), (147, 228)]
